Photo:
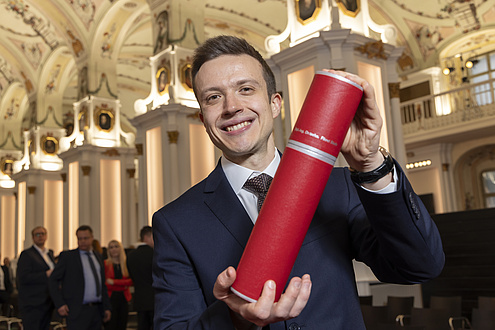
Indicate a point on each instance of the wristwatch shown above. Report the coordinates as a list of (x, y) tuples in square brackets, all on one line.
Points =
[(372, 176)]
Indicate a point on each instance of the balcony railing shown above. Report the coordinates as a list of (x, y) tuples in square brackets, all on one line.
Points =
[(467, 104)]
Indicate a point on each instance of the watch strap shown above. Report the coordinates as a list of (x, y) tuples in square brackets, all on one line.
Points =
[(372, 176)]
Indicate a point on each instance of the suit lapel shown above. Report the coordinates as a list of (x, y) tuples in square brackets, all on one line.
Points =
[(224, 204), (36, 255)]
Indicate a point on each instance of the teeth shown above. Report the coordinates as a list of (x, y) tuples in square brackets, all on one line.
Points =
[(238, 126)]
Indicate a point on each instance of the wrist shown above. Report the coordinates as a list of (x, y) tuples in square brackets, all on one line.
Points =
[(376, 174)]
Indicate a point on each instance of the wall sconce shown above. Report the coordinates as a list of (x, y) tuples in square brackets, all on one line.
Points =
[(470, 63), (447, 70)]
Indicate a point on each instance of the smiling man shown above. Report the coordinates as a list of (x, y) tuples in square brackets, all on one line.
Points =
[(371, 215)]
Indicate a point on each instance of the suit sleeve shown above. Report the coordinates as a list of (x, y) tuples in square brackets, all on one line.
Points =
[(7, 282), (55, 280), (396, 237), (179, 298)]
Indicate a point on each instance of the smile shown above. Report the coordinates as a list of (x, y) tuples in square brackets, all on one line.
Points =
[(238, 126)]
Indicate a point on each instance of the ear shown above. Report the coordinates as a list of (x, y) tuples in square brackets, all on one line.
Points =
[(276, 104), (201, 116)]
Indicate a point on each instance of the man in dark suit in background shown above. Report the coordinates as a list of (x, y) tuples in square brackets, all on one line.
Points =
[(77, 285), (139, 265), (6, 289), (34, 267)]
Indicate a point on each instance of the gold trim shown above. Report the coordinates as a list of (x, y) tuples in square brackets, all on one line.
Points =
[(166, 73), (185, 76), (346, 11), (373, 49), (173, 136), (316, 11), (86, 170), (49, 145), (394, 90), (83, 112), (104, 113)]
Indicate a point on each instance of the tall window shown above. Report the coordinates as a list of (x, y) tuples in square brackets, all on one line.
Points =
[(483, 70), (488, 178)]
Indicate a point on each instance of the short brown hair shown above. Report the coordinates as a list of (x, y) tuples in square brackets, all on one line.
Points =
[(230, 45)]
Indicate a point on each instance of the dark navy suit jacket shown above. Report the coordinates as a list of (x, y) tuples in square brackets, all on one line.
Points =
[(32, 279), (67, 283), (206, 229)]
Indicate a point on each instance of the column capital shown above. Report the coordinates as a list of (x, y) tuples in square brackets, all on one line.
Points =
[(173, 136), (131, 172), (86, 170), (394, 90), (31, 190)]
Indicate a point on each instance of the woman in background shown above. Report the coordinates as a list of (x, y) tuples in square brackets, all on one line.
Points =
[(118, 282)]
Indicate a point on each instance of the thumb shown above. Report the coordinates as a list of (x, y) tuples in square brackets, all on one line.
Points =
[(221, 289)]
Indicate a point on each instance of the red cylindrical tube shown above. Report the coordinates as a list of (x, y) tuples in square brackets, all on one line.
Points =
[(296, 189)]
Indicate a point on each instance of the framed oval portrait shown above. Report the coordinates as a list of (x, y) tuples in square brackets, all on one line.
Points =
[(104, 119), (49, 145), (162, 80)]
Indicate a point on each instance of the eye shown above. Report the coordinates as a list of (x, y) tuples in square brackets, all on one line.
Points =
[(246, 89)]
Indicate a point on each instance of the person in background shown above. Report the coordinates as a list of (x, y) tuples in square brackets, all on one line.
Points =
[(6, 289), (77, 285), (34, 268), (118, 283), (139, 264)]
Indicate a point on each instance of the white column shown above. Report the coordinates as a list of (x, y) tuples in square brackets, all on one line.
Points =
[(84, 197)]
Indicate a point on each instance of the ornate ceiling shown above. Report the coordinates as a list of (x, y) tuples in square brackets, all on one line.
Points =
[(44, 43)]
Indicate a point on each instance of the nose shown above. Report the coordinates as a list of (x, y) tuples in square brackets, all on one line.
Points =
[(232, 105)]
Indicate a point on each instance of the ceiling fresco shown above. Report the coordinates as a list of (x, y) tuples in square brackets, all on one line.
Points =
[(44, 44)]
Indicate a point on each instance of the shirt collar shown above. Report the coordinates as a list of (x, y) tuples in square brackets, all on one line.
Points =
[(237, 175), (42, 251)]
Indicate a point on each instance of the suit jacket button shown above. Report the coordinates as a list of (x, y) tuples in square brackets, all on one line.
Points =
[(294, 326)]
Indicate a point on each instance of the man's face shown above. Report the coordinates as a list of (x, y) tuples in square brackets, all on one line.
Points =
[(39, 237), (235, 108), (84, 240)]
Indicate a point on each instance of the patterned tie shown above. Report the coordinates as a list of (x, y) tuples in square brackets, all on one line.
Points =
[(259, 187), (95, 274)]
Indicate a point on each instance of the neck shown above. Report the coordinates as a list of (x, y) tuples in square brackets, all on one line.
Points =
[(257, 161), (115, 260), (41, 247)]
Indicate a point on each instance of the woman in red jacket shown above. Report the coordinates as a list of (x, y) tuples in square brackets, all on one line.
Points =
[(118, 282)]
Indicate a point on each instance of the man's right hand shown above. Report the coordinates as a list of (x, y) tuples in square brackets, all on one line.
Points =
[(264, 311), (63, 310)]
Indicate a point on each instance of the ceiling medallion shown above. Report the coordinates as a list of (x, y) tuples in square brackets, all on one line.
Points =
[(373, 49)]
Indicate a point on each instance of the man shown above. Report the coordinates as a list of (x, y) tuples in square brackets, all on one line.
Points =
[(34, 268), (139, 264), (77, 285), (6, 289), (201, 235)]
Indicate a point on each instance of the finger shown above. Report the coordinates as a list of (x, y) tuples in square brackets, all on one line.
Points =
[(288, 299), (223, 283), (260, 311), (303, 297)]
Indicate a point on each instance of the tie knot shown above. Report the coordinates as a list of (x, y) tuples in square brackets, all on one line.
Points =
[(259, 187), (259, 184)]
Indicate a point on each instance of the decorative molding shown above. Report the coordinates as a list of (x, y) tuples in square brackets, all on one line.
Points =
[(111, 152), (86, 170), (394, 90), (194, 115), (373, 49), (445, 167), (64, 176), (131, 172), (173, 136), (31, 190)]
